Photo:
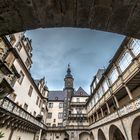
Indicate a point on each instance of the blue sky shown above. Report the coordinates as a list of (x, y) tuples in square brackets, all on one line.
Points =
[(86, 50)]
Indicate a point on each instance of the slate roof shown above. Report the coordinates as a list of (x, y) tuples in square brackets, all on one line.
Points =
[(56, 95), (80, 92)]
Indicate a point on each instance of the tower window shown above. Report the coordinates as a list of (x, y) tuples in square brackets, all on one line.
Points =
[(50, 105)]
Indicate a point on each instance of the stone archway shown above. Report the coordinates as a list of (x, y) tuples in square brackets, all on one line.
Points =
[(101, 135), (135, 129), (117, 16), (115, 133), (84, 136)]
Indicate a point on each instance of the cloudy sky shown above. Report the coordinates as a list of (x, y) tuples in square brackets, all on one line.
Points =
[(86, 50)]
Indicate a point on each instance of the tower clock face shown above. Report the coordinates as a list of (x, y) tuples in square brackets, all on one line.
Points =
[(69, 82)]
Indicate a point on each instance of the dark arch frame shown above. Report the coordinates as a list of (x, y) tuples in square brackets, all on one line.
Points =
[(101, 135), (115, 133), (135, 129)]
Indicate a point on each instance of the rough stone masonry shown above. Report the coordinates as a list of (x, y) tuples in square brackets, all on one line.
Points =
[(119, 16)]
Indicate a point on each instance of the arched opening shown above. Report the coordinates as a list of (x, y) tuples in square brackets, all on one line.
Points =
[(66, 136), (115, 133), (91, 136), (84, 136), (101, 135), (136, 129)]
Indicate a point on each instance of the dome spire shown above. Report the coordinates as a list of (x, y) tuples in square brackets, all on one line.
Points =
[(68, 71)]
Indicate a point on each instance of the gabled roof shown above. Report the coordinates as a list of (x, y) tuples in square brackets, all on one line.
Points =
[(56, 95), (81, 93)]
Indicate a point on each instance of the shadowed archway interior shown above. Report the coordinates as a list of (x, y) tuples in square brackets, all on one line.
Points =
[(136, 129), (115, 133), (101, 135)]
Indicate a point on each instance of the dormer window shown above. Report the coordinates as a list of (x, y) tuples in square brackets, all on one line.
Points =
[(56, 98)]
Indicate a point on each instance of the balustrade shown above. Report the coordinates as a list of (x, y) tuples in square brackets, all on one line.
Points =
[(12, 107)]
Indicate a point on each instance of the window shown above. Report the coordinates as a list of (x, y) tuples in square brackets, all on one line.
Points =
[(30, 91), (50, 105), (27, 63), (21, 77), (96, 98), (60, 105), (13, 96), (135, 46), (19, 47), (100, 92), (78, 100), (34, 113), (25, 106), (105, 86), (37, 100), (40, 103), (60, 124), (49, 115), (125, 61), (48, 124), (113, 76), (60, 115)]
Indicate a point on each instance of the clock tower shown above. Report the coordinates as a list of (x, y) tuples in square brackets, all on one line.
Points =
[(69, 91), (68, 80)]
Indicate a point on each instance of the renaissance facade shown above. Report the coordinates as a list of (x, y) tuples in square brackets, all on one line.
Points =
[(29, 111)]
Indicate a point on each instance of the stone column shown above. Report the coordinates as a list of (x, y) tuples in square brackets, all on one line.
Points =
[(97, 115), (108, 109), (102, 112), (116, 101), (128, 92)]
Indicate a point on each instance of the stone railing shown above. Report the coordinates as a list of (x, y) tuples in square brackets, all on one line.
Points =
[(12, 107), (68, 127), (77, 127), (56, 128), (78, 115), (78, 103), (133, 106)]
